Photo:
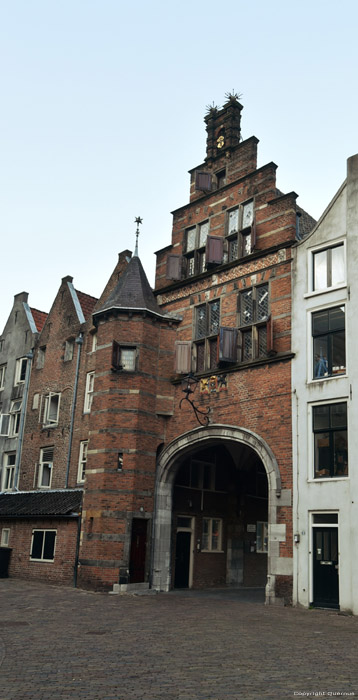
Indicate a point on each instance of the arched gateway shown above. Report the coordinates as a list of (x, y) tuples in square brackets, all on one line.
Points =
[(205, 440)]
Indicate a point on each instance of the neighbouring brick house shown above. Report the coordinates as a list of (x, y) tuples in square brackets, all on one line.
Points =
[(169, 501)]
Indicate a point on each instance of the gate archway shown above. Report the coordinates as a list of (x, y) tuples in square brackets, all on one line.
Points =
[(167, 466)]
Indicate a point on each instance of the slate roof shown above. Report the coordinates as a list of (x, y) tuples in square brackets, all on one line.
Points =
[(39, 318), (40, 503), (132, 292), (87, 303)]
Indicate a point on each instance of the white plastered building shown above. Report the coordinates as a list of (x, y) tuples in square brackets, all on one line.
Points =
[(325, 405)]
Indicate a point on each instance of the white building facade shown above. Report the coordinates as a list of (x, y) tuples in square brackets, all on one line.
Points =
[(325, 405)]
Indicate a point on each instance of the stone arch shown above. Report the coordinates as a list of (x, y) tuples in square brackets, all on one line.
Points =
[(202, 437)]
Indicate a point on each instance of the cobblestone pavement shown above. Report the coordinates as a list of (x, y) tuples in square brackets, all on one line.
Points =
[(62, 643)]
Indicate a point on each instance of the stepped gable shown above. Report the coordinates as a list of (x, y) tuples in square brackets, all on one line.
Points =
[(39, 318), (28, 504), (132, 292)]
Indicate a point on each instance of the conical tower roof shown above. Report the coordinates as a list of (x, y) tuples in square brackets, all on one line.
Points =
[(132, 292)]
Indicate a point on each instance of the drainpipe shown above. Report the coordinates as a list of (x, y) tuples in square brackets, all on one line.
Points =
[(29, 356), (75, 569), (79, 341)]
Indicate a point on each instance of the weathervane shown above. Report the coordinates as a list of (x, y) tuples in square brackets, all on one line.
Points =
[(137, 221)]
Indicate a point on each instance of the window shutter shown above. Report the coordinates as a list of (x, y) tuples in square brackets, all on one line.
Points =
[(4, 424), (227, 345), (174, 267), (182, 356), (203, 181), (214, 250), (269, 336), (116, 355), (253, 234)]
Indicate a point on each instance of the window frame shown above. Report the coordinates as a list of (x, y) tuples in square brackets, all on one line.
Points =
[(238, 237), (118, 350), (210, 549), (327, 249), (15, 416), (253, 328), (5, 539), (89, 390), (69, 350), (207, 340), (47, 421), (330, 430), (262, 528), (2, 375), (195, 257), (40, 359), (45, 462), (8, 472), (82, 462), (328, 335), (20, 371), (44, 532)]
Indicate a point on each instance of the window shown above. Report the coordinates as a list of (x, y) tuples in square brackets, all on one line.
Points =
[(4, 424), (221, 179), (212, 535), (123, 358), (207, 324), (2, 376), (201, 250), (89, 392), (51, 409), (15, 414), (82, 462), (40, 362), (20, 371), (69, 348), (94, 342), (330, 440), (241, 231), (328, 267), (256, 327), (43, 545), (261, 537), (5, 537), (8, 479), (45, 467), (200, 474), (329, 342)]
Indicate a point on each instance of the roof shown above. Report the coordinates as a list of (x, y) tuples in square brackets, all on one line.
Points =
[(132, 291), (39, 318), (87, 303), (40, 503)]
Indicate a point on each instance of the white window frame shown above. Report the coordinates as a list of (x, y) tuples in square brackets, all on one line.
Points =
[(19, 371), (45, 463), (219, 549), (94, 342), (43, 544), (8, 475), (82, 461), (5, 537), (311, 455), (310, 264), (15, 415), (49, 420), (89, 392), (2, 376), (4, 424)]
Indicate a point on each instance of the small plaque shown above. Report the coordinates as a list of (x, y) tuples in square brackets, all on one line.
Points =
[(251, 528)]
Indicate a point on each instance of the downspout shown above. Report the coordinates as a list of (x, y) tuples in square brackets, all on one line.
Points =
[(79, 341), (29, 356), (75, 569)]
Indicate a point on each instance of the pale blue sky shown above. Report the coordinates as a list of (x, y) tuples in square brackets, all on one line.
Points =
[(102, 107)]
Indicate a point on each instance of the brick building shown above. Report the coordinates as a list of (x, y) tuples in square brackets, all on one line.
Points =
[(175, 496)]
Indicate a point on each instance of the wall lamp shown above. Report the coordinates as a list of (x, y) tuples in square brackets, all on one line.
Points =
[(188, 386)]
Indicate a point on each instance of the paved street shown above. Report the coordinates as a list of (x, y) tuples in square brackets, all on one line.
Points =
[(62, 643)]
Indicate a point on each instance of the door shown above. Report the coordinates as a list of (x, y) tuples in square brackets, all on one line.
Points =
[(325, 567), (138, 551), (182, 559)]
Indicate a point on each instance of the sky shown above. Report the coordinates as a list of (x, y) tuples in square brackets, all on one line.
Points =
[(102, 109)]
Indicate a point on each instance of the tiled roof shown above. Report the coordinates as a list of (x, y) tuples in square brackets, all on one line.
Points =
[(39, 318), (132, 291), (87, 303), (39, 503)]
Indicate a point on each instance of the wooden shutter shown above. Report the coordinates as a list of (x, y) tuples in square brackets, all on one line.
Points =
[(227, 346), (116, 355), (253, 233), (203, 181), (174, 267), (182, 358), (214, 250), (269, 336)]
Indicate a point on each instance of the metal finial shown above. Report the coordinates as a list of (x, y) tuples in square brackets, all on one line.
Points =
[(137, 221)]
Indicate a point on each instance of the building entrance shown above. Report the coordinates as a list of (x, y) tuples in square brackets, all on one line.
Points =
[(325, 567)]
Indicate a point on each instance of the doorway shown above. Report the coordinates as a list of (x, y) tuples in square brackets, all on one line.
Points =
[(138, 551), (183, 553), (325, 565)]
